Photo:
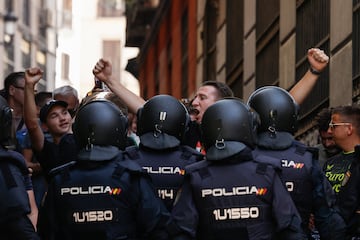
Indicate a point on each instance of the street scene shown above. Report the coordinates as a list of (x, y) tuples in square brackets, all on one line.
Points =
[(180, 119)]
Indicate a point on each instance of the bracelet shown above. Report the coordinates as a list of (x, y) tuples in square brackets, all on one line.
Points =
[(313, 71)]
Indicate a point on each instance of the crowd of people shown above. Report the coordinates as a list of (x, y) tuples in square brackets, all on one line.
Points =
[(116, 166)]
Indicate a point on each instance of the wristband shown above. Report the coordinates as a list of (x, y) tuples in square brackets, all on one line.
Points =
[(313, 71)]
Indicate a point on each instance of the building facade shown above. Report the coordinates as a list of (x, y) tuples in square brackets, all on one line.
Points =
[(90, 30), (249, 44), (65, 38), (33, 41)]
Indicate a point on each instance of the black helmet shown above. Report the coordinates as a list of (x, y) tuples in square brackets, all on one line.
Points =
[(277, 109), (228, 126), (162, 122), (6, 136), (100, 123)]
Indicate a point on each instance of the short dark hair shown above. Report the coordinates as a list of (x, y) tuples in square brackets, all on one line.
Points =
[(11, 80), (323, 119), (350, 113), (41, 98), (222, 88)]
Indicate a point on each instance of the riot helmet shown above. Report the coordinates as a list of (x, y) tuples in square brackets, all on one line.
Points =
[(228, 126), (100, 123), (6, 135), (277, 109), (162, 122)]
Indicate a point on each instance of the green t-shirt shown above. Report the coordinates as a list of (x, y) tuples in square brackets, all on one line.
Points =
[(337, 168)]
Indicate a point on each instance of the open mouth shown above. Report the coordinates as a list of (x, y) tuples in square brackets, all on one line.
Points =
[(194, 111)]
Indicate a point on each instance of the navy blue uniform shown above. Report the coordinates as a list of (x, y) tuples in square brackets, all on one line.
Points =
[(308, 187), (14, 201), (234, 198), (107, 199), (166, 168), (192, 135)]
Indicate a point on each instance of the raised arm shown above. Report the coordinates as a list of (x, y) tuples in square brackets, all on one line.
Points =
[(32, 76), (318, 61), (103, 71)]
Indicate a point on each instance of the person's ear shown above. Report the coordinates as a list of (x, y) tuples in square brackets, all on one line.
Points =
[(350, 129)]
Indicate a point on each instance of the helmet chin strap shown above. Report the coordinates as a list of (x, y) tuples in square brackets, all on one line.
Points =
[(220, 144), (271, 128), (157, 130), (272, 132)]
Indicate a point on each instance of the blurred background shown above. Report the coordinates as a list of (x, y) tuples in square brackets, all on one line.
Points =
[(171, 46)]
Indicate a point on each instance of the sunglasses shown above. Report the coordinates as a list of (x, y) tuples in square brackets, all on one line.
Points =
[(333, 125)]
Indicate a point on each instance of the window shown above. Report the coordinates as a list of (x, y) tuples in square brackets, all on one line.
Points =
[(111, 50), (110, 8), (312, 30), (25, 53), (169, 65), (234, 43), (356, 50), (26, 12), (67, 14), (184, 54), (267, 42), (41, 62), (65, 66)]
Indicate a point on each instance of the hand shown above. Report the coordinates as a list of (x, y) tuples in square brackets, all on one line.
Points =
[(318, 60), (33, 75), (103, 70)]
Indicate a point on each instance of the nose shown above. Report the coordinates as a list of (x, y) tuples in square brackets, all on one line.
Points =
[(195, 102), (329, 130), (63, 115)]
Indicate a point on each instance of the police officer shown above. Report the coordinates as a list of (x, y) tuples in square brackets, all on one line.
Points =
[(162, 123), (14, 184), (300, 170), (101, 195), (228, 195)]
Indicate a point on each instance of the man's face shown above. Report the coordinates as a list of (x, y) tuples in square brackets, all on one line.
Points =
[(205, 97), (340, 130), (328, 142), (17, 91), (58, 121)]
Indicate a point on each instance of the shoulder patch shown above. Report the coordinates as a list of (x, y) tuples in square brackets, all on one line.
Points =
[(196, 166), (261, 168), (314, 151), (300, 148), (130, 165), (188, 152), (132, 152)]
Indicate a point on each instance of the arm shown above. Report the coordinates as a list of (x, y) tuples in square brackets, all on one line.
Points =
[(103, 71), (28, 155), (32, 76), (33, 215), (318, 60)]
